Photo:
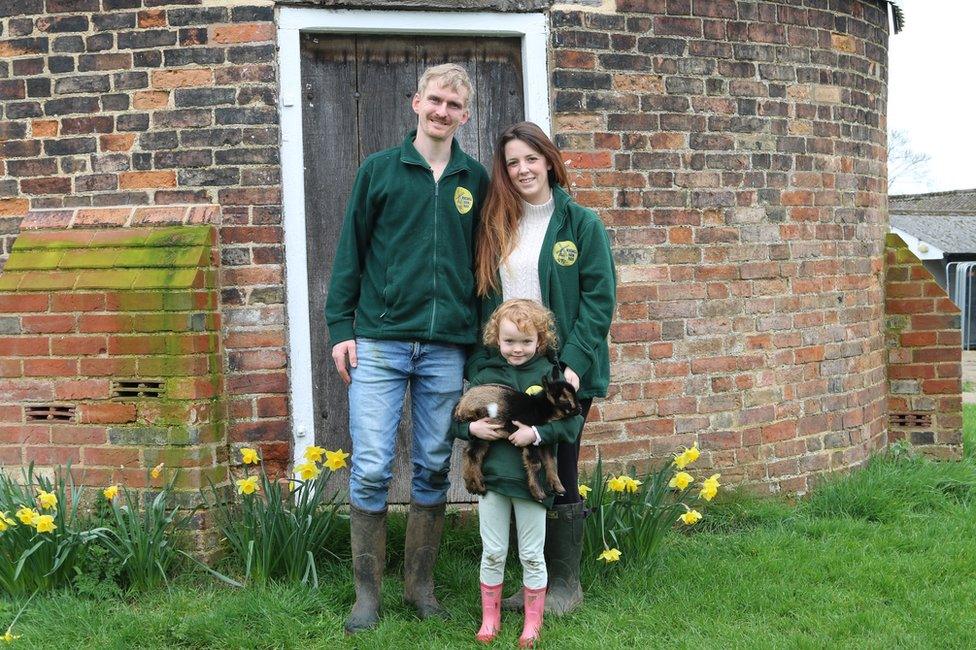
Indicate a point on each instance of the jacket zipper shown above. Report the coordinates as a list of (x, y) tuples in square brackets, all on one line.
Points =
[(433, 311)]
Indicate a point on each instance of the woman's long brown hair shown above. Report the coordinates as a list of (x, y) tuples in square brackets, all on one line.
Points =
[(498, 231)]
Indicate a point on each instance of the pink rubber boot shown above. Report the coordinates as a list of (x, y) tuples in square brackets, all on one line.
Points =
[(535, 603), (491, 612)]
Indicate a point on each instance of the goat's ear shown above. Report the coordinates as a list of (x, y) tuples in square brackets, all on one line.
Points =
[(545, 381), (555, 373)]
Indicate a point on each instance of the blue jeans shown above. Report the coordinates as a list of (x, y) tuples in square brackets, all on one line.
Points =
[(434, 373)]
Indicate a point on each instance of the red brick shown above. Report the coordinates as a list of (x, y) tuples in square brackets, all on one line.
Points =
[(65, 434), (24, 346), (242, 33), (50, 367), (65, 302), (23, 303), (78, 345), (779, 431), (49, 456), (112, 456), (21, 434), (52, 323), (107, 366), (107, 413), (82, 389), (269, 407)]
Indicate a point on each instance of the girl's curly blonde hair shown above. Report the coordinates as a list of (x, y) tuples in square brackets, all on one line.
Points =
[(528, 316)]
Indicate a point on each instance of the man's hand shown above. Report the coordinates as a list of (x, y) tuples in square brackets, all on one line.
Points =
[(486, 429), (523, 436), (571, 377), (339, 353)]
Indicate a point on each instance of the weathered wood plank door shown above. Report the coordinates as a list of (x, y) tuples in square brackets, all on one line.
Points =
[(356, 94)]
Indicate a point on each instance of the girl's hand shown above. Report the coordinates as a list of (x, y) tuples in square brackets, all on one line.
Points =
[(523, 436), (486, 429), (571, 377)]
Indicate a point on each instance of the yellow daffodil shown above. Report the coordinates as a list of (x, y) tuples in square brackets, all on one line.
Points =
[(335, 459), (535, 389), (6, 522), (617, 484), (47, 500), (157, 470), (709, 487), (248, 485), (27, 515), (681, 480), (631, 484), (691, 517), (313, 454), (687, 457), (9, 637), (45, 524), (584, 490), (111, 492), (308, 470), (609, 555), (249, 456)]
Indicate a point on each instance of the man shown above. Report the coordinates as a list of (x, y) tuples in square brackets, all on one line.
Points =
[(400, 312)]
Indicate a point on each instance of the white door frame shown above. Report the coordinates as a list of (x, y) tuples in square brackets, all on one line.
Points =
[(532, 28)]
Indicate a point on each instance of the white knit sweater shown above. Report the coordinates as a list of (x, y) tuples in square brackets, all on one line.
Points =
[(520, 271)]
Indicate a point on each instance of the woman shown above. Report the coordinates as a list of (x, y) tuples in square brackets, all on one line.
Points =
[(535, 242)]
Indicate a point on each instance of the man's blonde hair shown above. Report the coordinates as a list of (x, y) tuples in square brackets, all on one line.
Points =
[(451, 75)]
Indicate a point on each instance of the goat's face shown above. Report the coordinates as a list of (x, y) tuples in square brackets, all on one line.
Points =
[(562, 396)]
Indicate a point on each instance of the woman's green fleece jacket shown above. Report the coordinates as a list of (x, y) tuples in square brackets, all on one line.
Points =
[(579, 285)]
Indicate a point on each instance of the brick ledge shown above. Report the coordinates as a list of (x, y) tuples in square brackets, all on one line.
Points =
[(121, 216)]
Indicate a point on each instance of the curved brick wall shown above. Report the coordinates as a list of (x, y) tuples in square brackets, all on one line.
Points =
[(736, 150)]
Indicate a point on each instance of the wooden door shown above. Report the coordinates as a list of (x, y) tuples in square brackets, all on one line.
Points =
[(356, 93)]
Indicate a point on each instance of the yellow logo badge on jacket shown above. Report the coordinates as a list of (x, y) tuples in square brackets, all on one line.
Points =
[(463, 200), (565, 253)]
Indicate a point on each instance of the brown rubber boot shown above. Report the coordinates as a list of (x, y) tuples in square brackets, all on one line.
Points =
[(368, 534), (564, 546), (424, 527)]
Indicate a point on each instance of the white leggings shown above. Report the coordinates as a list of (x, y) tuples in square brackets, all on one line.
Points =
[(494, 514)]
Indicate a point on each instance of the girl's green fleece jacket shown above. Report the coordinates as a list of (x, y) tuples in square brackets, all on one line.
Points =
[(503, 469), (579, 286)]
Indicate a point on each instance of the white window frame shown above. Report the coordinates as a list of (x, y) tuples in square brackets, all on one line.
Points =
[(532, 28)]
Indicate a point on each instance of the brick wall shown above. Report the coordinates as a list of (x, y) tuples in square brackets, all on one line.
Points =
[(150, 102), (110, 349), (924, 348), (736, 152)]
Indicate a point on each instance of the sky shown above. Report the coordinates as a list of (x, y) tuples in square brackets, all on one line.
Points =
[(931, 87)]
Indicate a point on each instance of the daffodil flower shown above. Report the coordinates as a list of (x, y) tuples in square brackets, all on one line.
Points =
[(584, 490), (9, 637), (47, 500), (631, 484), (609, 555), (111, 492), (617, 484), (27, 515), (335, 459), (691, 517), (248, 485), (249, 456), (681, 480), (308, 470), (687, 457), (157, 470), (313, 454), (6, 522), (709, 487), (45, 524)]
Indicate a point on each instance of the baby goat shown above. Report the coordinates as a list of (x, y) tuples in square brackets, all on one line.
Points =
[(556, 401)]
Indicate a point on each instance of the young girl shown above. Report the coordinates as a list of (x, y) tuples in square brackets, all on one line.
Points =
[(518, 336)]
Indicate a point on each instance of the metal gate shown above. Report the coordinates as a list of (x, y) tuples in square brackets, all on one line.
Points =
[(960, 284)]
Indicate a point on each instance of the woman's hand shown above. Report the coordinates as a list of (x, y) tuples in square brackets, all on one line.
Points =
[(571, 377), (486, 429), (523, 436)]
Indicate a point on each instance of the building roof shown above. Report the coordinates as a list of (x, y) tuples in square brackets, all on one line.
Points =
[(955, 202), (949, 233), (898, 15)]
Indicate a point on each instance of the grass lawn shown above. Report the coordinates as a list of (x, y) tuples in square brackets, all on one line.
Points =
[(969, 429), (885, 557)]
